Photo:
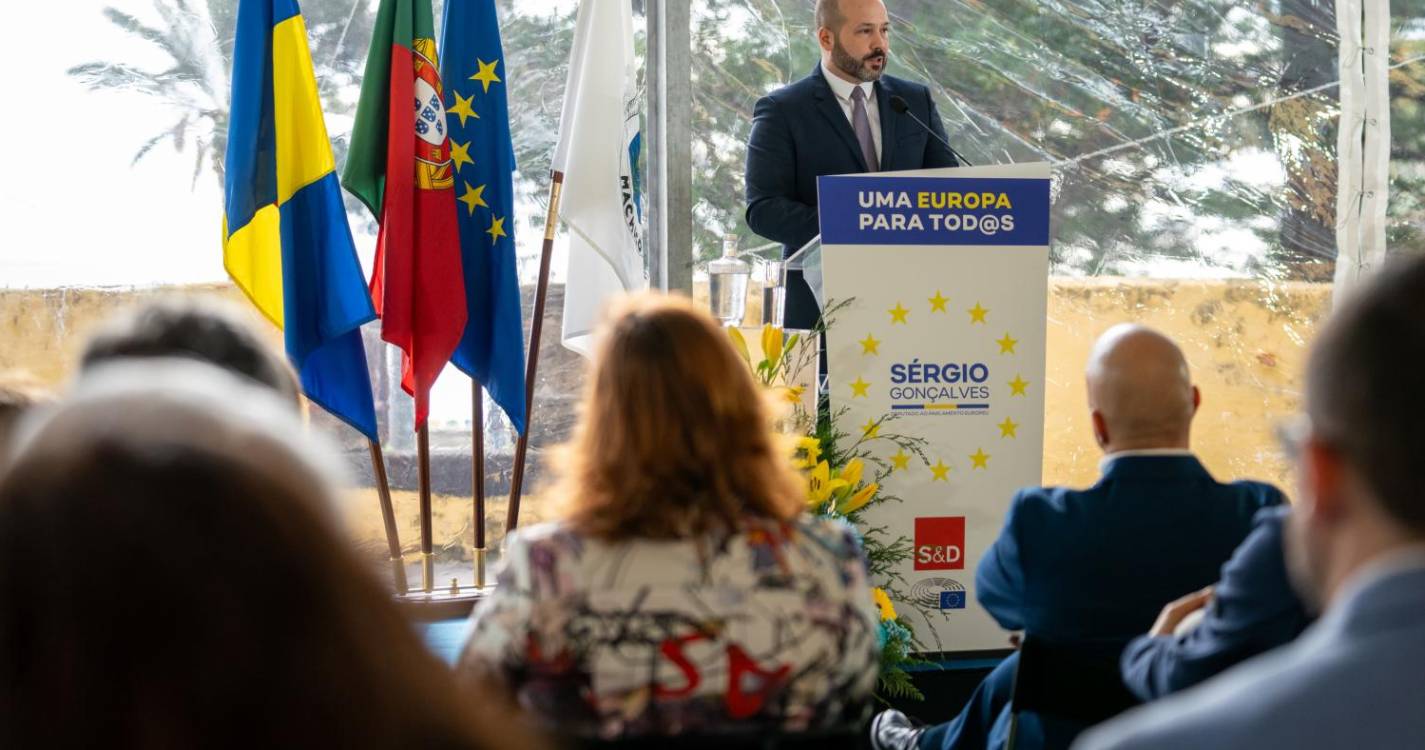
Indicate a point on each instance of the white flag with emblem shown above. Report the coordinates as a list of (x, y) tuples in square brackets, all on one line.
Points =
[(598, 151)]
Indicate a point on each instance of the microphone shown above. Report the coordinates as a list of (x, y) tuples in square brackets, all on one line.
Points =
[(900, 107)]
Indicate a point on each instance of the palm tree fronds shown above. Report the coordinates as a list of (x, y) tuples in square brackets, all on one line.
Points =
[(136, 27), (148, 146), (180, 134), (199, 156)]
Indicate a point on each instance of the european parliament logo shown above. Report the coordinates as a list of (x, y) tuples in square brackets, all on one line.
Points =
[(939, 593)]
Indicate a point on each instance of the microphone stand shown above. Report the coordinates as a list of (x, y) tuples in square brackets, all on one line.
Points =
[(901, 107)]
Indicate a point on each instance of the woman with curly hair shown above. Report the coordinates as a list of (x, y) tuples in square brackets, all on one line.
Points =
[(681, 587)]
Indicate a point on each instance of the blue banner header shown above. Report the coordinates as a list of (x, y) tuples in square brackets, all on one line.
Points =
[(885, 210)]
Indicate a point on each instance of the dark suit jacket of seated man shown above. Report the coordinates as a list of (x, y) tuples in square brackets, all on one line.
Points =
[(800, 132), (1253, 610)]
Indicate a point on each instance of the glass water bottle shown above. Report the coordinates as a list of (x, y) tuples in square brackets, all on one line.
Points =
[(727, 284)]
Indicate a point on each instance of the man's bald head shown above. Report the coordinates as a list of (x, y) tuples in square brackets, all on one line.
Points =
[(1140, 390)]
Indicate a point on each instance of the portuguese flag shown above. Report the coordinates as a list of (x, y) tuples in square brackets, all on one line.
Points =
[(399, 166)]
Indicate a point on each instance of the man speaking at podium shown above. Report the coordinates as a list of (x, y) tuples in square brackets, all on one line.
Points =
[(846, 117)]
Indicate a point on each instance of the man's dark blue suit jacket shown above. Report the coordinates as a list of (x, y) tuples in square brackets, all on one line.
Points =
[(799, 133), (1092, 568), (1253, 610)]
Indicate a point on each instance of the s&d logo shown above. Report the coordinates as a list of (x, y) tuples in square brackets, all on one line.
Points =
[(940, 543)]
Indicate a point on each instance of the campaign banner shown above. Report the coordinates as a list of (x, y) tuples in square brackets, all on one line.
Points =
[(946, 273)]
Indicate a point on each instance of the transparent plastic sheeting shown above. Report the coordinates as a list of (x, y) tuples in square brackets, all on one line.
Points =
[(1192, 138)]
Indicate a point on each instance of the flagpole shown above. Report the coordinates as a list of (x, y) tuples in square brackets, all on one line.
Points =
[(477, 475), (536, 328), (427, 567), (388, 516)]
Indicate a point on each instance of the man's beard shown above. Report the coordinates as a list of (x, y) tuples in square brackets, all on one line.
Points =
[(856, 66)]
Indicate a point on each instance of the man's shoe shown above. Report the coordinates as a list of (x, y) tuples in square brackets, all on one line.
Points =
[(893, 730)]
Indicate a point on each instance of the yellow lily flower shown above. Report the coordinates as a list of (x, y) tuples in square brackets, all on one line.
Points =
[(739, 344), (857, 501), (771, 342), (793, 393), (820, 485), (851, 472), (883, 603), (812, 447)]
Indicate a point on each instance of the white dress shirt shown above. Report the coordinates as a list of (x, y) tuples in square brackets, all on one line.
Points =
[(842, 88)]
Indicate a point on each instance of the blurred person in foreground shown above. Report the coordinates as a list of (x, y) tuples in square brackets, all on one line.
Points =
[(1088, 570), (1355, 548), (172, 576), (205, 329), (681, 589), (19, 393)]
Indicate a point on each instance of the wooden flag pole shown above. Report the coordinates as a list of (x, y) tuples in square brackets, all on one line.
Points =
[(536, 328), (388, 517), (427, 566), (477, 475)]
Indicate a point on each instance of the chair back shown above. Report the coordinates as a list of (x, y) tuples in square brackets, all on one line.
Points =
[(1074, 683)]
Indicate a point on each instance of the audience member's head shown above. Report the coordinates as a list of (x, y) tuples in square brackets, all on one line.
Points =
[(18, 394), (204, 329), (172, 576), (1360, 445), (675, 439), (1140, 392)]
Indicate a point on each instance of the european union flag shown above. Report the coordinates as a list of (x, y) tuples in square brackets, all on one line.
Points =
[(477, 114), (952, 600), (286, 242)]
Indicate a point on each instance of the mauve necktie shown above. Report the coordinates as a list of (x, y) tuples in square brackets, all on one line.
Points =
[(862, 125)]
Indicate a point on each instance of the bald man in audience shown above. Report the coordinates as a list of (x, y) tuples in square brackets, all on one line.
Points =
[(1088, 570)]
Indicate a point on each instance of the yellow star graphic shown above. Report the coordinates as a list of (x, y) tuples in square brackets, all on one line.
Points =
[(859, 387), (473, 197), (1006, 344), (898, 314), (462, 108), (977, 313), (940, 472), (870, 428), (460, 153), (900, 461), (487, 73), (937, 303), (1007, 428), (497, 229), (980, 458), (1017, 386), (869, 344)]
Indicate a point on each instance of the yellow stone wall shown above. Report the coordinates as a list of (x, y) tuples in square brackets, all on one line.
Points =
[(1246, 342)]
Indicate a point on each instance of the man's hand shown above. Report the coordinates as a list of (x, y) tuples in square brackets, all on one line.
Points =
[(1178, 609)]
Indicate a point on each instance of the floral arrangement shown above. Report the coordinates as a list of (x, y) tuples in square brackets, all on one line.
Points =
[(845, 477)]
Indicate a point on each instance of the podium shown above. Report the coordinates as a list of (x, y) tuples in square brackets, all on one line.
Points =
[(945, 278)]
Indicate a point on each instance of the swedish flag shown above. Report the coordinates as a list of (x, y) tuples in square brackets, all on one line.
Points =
[(286, 242)]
